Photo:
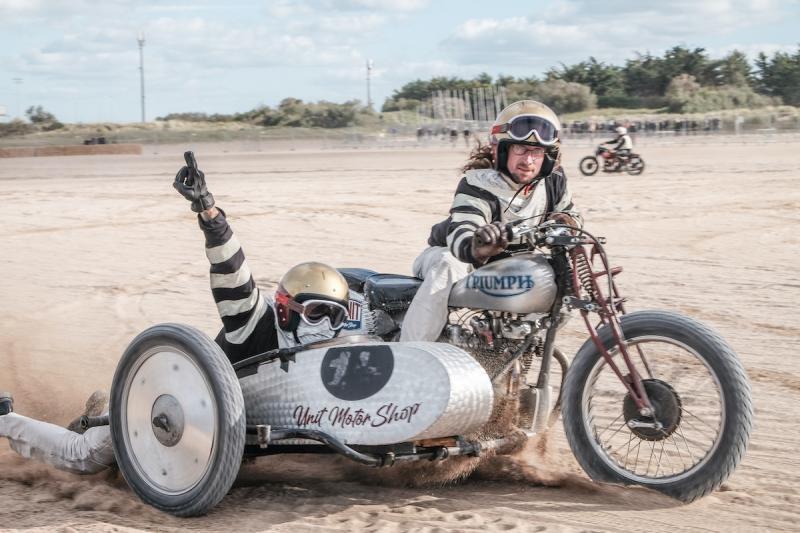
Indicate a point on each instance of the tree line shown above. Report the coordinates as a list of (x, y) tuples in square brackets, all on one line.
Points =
[(682, 79), (291, 112)]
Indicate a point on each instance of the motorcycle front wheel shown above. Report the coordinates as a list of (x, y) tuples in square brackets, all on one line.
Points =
[(635, 165), (589, 165), (702, 405)]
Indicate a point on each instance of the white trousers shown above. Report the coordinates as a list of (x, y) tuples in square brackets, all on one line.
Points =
[(89, 453), (427, 314)]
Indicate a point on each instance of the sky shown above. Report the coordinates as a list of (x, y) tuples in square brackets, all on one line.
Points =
[(79, 59)]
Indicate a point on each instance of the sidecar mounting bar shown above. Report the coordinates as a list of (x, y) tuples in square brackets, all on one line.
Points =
[(266, 436), (250, 365)]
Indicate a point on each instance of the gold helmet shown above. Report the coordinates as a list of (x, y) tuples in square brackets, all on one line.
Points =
[(527, 122), (311, 292)]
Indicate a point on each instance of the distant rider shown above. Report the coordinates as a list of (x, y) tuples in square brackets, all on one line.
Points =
[(623, 142), (310, 305), (517, 176)]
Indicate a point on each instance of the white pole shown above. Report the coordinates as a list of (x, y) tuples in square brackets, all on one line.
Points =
[(369, 96), (18, 82), (140, 38)]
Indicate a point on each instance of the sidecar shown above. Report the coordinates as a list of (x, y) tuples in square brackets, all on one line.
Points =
[(182, 417)]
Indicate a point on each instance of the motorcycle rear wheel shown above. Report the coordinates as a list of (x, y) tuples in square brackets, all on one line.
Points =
[(589, 165), (702, 403)]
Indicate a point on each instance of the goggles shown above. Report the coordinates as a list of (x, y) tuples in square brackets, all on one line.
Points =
[(313, 312), (521, 127)]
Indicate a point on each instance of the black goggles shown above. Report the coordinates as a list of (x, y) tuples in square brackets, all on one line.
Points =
[(521, 127), (313, 312)]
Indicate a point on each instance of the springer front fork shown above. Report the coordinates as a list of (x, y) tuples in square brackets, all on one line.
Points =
[(603, 297)]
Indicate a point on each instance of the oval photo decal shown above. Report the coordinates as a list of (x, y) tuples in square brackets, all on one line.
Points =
[(353, 373)]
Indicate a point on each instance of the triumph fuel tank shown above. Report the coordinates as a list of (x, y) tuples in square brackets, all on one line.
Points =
[(521, 284)]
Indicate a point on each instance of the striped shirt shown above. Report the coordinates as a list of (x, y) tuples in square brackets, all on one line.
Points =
[(248, 318), (484, 196)]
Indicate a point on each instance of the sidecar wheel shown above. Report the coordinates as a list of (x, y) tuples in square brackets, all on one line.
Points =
[(702, 401), (589, 165), (177, 420)]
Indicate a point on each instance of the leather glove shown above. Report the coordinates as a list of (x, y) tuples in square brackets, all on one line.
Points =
[(489, 241), (191, 183)]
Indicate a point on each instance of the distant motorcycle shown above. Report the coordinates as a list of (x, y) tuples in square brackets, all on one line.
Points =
[(633, 164)]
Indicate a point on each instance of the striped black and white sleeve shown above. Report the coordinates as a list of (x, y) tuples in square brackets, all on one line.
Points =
[(472, 208), (239, 301), (562, 202)]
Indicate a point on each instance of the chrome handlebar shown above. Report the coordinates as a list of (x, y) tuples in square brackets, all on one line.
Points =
[(549, 233)]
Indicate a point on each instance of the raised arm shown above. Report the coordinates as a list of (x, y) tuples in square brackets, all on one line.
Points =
[(246, 315), (238, 299)]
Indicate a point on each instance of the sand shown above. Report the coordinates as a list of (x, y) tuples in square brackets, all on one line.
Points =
[(95, 249)]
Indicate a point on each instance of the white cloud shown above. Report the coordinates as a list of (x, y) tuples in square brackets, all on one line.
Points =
[(380, 5), (358, 24), (575, 29), (199, 53), (752, 50), (201, 45), (288, 8)]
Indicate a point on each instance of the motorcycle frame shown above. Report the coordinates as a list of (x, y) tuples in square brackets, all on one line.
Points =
[(567, 268)]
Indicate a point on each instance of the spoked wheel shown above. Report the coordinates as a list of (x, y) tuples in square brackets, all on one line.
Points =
[(635, 165), (177, 420), (589, 165), (702, 408)]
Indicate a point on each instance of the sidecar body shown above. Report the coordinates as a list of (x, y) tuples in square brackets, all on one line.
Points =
[(182, 417), (367, 392)]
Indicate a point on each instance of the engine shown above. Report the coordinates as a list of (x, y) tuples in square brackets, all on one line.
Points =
[(492, 337)]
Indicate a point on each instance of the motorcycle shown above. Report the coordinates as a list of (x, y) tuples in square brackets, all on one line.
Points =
[(633, 164), (652, 398)]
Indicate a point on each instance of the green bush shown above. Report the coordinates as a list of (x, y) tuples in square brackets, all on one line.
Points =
[(16, 127), (291, 112), (400, 104), (631, 102), (42, 119), (197, 117), (565, 97), (685, 95)]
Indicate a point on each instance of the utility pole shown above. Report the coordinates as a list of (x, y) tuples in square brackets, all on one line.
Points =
[(140, 38), (17, 82), (369, 94)]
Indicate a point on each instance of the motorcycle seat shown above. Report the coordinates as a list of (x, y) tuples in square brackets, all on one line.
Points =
[(356, 277), (390, 292)]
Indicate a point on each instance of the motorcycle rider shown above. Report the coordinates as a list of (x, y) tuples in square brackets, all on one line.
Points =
[(624, 144), (516, 176), (310, 304)]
